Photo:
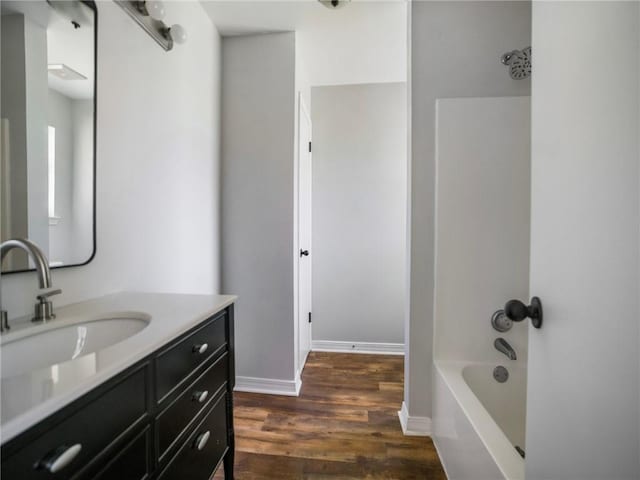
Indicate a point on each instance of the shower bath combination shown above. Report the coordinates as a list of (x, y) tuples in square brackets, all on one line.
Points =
[(519, 63)]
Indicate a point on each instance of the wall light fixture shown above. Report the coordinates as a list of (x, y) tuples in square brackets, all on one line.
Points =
[(149, 14)]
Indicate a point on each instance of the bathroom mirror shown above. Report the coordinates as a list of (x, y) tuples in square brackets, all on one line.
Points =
[(47, 129)]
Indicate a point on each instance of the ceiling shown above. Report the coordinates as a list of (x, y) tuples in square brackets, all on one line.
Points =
[(240, 17), (363, 42)]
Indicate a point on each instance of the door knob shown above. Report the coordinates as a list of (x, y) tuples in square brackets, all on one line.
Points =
[(304, 253), (518, 311)]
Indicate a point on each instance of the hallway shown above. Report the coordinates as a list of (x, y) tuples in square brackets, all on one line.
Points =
[(344, 425)]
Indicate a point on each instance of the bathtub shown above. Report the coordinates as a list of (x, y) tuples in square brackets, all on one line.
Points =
[(477, 422)]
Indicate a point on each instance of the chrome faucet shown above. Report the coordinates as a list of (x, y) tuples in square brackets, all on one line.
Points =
[(44, 307), (503, 346)]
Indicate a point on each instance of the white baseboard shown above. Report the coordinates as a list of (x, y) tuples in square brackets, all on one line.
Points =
[(414, 426), (358, 347), (270, 386)]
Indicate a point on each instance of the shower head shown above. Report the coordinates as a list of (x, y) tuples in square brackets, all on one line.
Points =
[(519, 63)]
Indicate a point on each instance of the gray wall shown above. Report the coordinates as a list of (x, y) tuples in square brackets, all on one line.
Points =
[(82, 113), (359, 212), (455, 52), (13, 103), (37, 89), (257, 199)]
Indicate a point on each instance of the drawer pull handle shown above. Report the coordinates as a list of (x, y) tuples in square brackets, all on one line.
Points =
[(59, 458), (201, 440), (200, 396), (200, 348)]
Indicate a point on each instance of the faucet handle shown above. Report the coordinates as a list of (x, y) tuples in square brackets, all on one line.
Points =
[(44, 307), (4, 321), (44, 296)]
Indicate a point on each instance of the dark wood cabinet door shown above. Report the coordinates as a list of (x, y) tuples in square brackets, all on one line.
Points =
[(132, 463), (83, 435)]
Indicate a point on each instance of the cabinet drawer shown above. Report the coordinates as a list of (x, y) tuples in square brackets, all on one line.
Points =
[(93, 427), (196, 463), (132, 463), (177, 362), (172, 422)]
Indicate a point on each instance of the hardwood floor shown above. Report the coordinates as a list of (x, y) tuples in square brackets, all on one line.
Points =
[(344, 425)]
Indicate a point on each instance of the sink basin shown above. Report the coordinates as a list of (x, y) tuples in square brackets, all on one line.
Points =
[(57, 343)]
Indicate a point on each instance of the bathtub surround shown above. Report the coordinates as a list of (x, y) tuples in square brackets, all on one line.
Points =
[(157, 182), (583, 405), (482, 224), (258, 206), (359, 210), (482, 260), (447, 62)]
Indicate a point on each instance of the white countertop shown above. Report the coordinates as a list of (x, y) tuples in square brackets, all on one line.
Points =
[(28, 398)]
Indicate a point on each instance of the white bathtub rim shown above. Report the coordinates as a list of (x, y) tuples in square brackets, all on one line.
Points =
[(494, 439)]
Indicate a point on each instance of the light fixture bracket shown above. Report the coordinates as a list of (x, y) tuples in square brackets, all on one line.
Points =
[(155, 28), (334, 4)]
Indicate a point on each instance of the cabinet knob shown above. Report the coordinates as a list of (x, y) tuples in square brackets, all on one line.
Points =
[(201, 440), (59, 458), (200, 348), (200, 396)]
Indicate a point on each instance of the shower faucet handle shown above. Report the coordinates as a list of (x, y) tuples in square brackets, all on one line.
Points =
[(518, 311)]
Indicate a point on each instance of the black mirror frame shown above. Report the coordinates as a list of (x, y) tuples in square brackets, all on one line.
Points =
[(91, 4)]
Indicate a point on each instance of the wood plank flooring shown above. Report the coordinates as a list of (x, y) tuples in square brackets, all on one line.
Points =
[(344, 425)]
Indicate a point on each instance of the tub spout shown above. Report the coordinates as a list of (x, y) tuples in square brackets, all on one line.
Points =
[(503, 346)]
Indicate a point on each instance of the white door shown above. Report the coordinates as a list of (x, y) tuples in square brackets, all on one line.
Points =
[(583, 408), (304, 225)]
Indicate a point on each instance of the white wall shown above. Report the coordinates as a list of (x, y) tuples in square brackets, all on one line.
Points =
[(583, 404), (482, 224), (455, 52), (359, 212), (158, 165), (258, 105), (71, 238), (82, 113), (364, 42)]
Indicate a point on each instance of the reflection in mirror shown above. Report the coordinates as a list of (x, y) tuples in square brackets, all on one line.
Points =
[(47, 129)]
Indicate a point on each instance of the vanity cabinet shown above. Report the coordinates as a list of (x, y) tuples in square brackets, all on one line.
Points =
[(169, 416)]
